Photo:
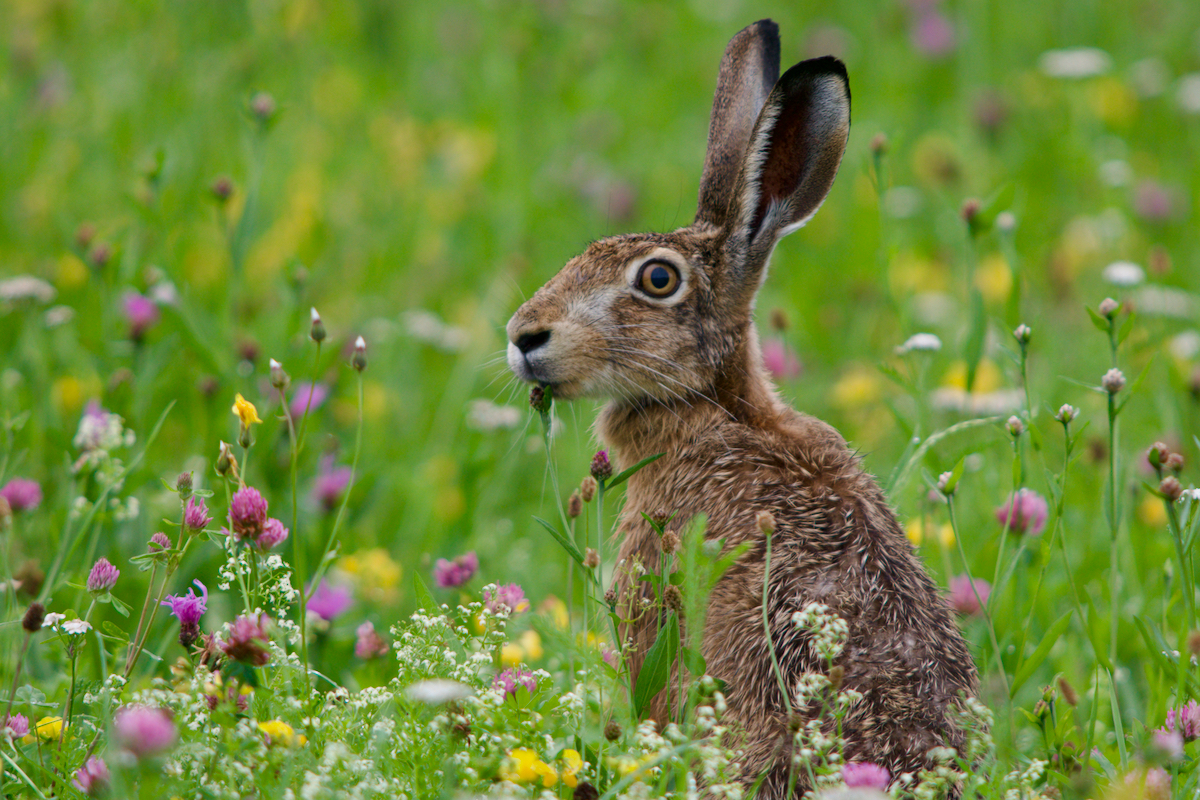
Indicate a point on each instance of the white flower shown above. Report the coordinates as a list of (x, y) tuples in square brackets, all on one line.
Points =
[(436, 691), (26, 287), (53, 619), (486, 416), (924, 342), (77, 626), (1116, 172), (1192, 494), (1075, 62), (1188, 94), (1124, 273)]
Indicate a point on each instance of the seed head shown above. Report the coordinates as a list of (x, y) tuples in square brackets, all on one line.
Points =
[(574, 505), (34, 616), (592, 559), (1113, 381), (359, 359), (601, 469), (837, 674), (1068, 691), (765, 521), (1171, 488), (673, 598), (610, 598), (317, 331), (670, 542), (612, 730), (1108, 308), (279, 378), (587, 489)]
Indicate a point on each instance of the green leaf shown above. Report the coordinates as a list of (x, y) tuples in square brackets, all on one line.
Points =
[(114, 632), (694, 661), (725, 562), (973, 353), (1030, 665), (656, 669), (625, 475), (118, 606), (424, 597), (568, 545), (1100, 321)]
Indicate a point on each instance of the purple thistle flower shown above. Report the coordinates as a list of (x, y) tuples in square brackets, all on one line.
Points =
[(448, 574), (144, 731), (330, 485), (103, 577), (140, 312), (159, 541), (1024, 513), (243, 635), (601, 467), (247, 514), (273, 533), (512, 679), (92, 778), (369, 644), (196, 517), (188, 609), (17, 724), (318, 392), (865, 774), (1185, 720), (963, 591), (22, 494), (508, 599), (328, 602)]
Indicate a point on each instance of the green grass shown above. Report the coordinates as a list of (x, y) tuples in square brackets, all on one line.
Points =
[(450, 157)]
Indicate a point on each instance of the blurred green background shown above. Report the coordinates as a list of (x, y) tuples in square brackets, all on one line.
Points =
[(423, 167)]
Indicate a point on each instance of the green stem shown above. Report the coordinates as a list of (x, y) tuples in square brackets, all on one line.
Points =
[(975, 589), (787, 702)]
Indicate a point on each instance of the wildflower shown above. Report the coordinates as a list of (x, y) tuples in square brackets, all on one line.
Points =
[(524, 766), (22, 494), (244, 633), (77, 627), (226, 463), (1108, 307), (188, 609), (437, 691), (1169, 744), (1113, 381), (1124, 274), (920, 342), (245, 411), (358, 359), (780, 360), (330, 485), (1154, 202), (369, 643), (92, 778), (449, 574), (512, 680), (967, 595), (373, 572), (1075, 63), (866, 774), (587, 488), (273, 534), (158, 542), (17, 725), (317, 331), (1024, 513), (329, 602), (248, 513), (932, 34), (601, 469), (1149, 784), (915, 531), (47, 729), (572, 766), (35, 615), (673, 598), (1023, 334), (279, 732), (1184, 720), (1066, 413), (612, 730), (144, 731), (1014, 426), (670, 542), (611, 657), (54, 619), (26, 287), (307, 397), (507, 599), (946, 483), (279, 377), (195, 517), (103, 577), (1171, 488), (141, 313)]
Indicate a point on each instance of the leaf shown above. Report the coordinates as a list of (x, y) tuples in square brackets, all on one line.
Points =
[(1030, 665), (1093, 636), (114, 632), (424, 597), (725, 562), (694, 661), (625, 475), (120, 607), (656, 669), (1100, 321), (568, 545)]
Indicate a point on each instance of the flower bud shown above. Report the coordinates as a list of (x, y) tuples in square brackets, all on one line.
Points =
[(158, 542), (1113, 381), (222, 189), (34, 615), (592, 559), (574, 505), (879, 144), (610, 598), (226, 463), (1174, 462), (317, 331), (279, 378), (779, 320), (183, 485), (1015, 426), (670, 542), (837, 673), (601, 469), (970, 211), (587, 489), (359, 359), (946, 484), (539, 399), (1006, 221), (765, 521), (262, 106), (1066, 413), (612, 730), (1109, 308), (1157, 454), (1171, 488), (99, 255), (1022, 334)]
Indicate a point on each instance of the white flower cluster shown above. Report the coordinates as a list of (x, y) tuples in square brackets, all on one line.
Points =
[(829, 631)]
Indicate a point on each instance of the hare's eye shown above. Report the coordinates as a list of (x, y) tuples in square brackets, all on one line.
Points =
[(658, 279)]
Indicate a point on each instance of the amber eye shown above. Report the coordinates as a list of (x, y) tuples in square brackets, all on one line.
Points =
[(658, 279)]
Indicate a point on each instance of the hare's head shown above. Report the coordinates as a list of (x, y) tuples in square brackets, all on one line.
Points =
[(661, 316)]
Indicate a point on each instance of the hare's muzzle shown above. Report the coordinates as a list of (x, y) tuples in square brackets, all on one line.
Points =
[(524, 349)]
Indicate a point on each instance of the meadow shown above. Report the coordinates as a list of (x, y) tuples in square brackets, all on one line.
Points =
[(998, 306)]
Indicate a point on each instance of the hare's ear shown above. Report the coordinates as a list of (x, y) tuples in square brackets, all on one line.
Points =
[(792, 158), (748, 70)]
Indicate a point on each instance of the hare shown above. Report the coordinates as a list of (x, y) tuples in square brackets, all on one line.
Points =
[(660, 324)]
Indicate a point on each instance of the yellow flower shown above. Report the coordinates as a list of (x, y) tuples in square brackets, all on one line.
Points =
[(279, 732), (988, 377), (245, 411), (993, 278), (915, 532), (524, 766), (511, 654), (531, 643), (628, 765), (1152, 512), (375, 573), (860, 386), (47, 729), (572, 764), (557, 610)]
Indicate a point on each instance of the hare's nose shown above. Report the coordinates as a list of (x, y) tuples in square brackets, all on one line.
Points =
[(531, 341)]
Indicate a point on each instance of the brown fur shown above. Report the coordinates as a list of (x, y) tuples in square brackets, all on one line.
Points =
[(686, 379)]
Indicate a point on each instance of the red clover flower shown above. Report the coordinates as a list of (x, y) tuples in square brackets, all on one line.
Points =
[(103, 577), (330, 485), (93, 778), (273, 533), (865, 774), (22, 494), (449, 574), (512, 679), (369, 644), (144, 731), (328, 602), (507, 599), (244, 633), (1024, 513), (247, 513), (17, 725), (963, 591), (196, 517)]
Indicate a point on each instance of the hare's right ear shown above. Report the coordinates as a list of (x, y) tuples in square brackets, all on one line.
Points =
[(748, 71)]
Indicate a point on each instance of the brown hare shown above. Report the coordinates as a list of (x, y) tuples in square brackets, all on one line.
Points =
[(661, 325)]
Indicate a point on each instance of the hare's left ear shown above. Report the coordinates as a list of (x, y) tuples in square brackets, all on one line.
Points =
[(793, 157)]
